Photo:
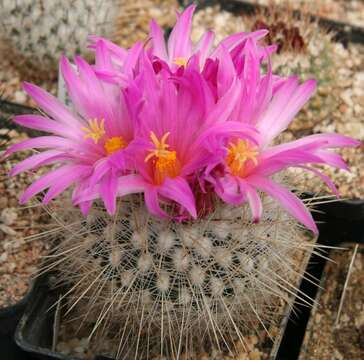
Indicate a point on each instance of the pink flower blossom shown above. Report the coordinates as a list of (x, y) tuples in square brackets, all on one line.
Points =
[(177, 122), (83, 139), (248, 168), (177, 117)]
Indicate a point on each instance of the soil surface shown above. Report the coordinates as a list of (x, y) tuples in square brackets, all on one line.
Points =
[(349, 11), (324, 340), (20, 249)]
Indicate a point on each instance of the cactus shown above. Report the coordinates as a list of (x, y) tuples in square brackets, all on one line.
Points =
[(161, 287), (35, 32), (38, 32)]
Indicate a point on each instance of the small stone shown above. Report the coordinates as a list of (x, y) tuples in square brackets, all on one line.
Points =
[(3, 257), (343, 108), (3, 202), (7, 230), (255, 355), (8, 216), (20, 97)]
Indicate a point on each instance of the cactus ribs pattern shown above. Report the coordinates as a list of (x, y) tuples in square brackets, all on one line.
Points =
[(160, 287)]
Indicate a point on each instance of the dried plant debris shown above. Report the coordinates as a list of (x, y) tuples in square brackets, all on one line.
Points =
[(141, 285), (349, 11), (305, 48), (323, 339), (20, 247)]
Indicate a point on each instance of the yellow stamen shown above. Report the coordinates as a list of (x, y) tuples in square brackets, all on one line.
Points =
[(165, 162), (114, 144), (180, 61), (96, 131), (238, 155)]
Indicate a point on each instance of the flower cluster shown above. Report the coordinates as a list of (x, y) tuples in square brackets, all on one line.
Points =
[(177, 122)]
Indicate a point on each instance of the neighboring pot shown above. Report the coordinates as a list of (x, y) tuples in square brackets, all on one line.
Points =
[(9, 318)]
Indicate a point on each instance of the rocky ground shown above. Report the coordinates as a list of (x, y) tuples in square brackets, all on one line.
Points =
[(349, 11), (20, 249), (329, 337)]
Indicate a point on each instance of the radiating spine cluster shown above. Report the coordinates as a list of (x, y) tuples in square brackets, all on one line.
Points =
[(161, 287)]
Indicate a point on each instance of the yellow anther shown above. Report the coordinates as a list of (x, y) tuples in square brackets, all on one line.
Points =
[(165, 162), (180, 61), (114, 144), (238, 155), (95, 131)]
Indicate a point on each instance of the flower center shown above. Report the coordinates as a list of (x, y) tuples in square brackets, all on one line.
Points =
[(180, 61), (95, 131), (114, 144), (165, 162), (239, 154)]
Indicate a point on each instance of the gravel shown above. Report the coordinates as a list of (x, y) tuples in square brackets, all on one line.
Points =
[(20, 253), (349, 11), (324, 340)]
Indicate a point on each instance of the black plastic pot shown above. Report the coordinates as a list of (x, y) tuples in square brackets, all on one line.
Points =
[(9, 318), (338, 222), (34, 334)]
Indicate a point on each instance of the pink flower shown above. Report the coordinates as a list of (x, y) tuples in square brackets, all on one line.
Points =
[(177, 117), (83, 140), (248, 168), (179, 49)]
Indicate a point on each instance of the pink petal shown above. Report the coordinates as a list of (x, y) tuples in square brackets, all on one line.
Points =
[(211, 137), (313, 142), (108, 192), (286, 103), (324, 177), (204, 45), (225, 105), (119, 54), (63, 182), (45, 124), (269, 165), (152, 202), (35, 161), (179, 42), (178, 190), (227, 188), (127, 184), (41, 142), (235, 39), (288, 201), (51, 105), (253, 198), (132, 58), (158, 42), (47, 181)]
